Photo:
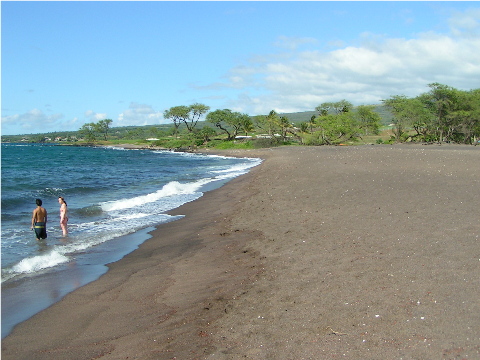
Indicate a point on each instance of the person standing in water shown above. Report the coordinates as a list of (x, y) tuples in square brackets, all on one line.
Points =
[(63, 215), (39, 220)]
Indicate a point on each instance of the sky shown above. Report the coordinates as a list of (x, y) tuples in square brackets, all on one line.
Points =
[(67, 63)]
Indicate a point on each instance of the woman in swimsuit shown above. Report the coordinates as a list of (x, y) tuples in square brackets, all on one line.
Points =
[(63, 215)]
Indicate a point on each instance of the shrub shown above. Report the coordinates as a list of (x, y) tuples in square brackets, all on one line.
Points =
[(177, 143), (312, 139)]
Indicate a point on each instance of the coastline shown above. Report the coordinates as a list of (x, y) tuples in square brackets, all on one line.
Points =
[(316, 253), (24, 296)]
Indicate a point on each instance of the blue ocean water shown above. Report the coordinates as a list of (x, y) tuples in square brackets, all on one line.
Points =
[(110, 192)]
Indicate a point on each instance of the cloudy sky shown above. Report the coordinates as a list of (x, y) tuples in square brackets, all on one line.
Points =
[(65, 64)]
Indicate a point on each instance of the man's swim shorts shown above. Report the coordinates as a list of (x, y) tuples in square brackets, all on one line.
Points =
[(40, 230)]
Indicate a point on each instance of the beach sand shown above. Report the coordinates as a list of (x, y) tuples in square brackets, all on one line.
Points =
[(366, 252)]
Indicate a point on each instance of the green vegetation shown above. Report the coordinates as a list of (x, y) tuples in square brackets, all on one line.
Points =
[(230, 122), (89, 131), (443, 114), (188, 115)]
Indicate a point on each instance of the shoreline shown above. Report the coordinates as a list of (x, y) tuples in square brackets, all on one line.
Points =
[(315, 253), (22, 298), (168, 253)]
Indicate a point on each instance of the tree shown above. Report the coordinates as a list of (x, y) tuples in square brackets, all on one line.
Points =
[(230, 122), (305, 126), (269, 123), (134, 133), (103, 126), (420, 119), (88, 131), (177, 114), (247, 124), (312, 120), (337, 128), (189, 115), (411, 113), (38, 138), (397, 105), (466, 117), (441, 100), (206, 132), (368, 119), (285, 125), (196, 111)]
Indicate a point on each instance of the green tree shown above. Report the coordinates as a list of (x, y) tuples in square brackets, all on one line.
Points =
[(441, 100), (103, 126), (466, 117), (177, 115), (189, 115), (88, 131), (409, 114), (196, 112), (397, 104), (269, 123), (285, 125), (132, 134), (337, 128), (304, 126), (421, 120), (207, 132), (368, 119), (312, 120), (247, 124), (38, 138), (230, 122)]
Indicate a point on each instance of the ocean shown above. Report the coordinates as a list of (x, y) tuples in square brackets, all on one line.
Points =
[(115, 196)]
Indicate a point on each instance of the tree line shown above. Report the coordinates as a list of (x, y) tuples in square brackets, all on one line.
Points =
[(90, 130), (336, 122), (443, 114)]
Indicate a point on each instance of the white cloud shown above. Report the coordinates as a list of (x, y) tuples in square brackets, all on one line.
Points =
[(139, 114), (465, 23), (94, 117), (33, 121), (365, 74)]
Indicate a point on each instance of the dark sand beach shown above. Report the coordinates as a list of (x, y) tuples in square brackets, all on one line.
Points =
[(364, 252)]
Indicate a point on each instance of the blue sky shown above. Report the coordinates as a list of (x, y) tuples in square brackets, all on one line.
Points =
[(65, 64)]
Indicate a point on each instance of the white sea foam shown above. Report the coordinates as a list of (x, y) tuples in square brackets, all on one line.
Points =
[(171, 189), (236, 169), (40, 262)]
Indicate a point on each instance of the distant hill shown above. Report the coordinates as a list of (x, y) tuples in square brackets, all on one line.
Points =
[(299, 117), (305, 116)]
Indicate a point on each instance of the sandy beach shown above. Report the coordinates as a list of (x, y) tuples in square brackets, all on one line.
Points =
[(362, 252)]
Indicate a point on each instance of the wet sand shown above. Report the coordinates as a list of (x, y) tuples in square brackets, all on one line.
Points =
[(368, 252)]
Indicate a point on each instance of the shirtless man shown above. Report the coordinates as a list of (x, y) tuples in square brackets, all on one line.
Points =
[(63, 215), (39, 220)]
